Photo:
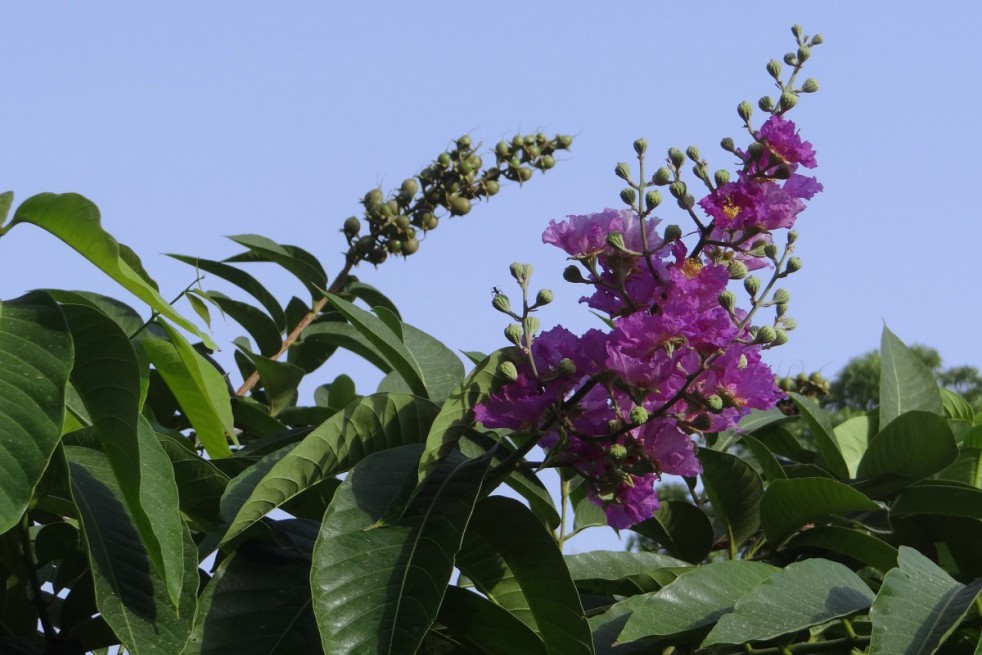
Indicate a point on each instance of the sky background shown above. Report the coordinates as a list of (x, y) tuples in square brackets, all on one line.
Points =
[(186, 121)]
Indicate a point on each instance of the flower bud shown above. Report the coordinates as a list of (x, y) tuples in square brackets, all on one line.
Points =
[(796, 30), (662, 176), (714, 404), (613, 425), (727, 144), (790, 59), (770, 251), (628, 196), (673, 232), (785, 384), (755, 150), (794, 264), (766, 103), (810, 85), (572, 274), (789, 323), (804, 52), (677, 189), (458, 206), (352, 226), (640, 147), (782, 296), (745, 111), (532, 151), (623, 171), (742, 364), (394, 246), (514, 333), (727, 300), (737, 269), (781, 337), (688, 201), (531, 324), (638, 415), (782, 172), (766, 334), (781, 309), (501, 303), (752, 285), (788, 100), (676, 156), (521, 272), (701, 422), (817, 40), (721, 177), (429, 221), (617, 452), (652, 199), (693, 153), (774, 69), (544, 297), (792, 236), (508, 371), (566, 366)]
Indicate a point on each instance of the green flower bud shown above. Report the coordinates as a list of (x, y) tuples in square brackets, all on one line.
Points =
[(501, 303), (766, 334), (817, 40), (781, 337), (544, 297), (782, 172), (737, 269), (410, 246), (766, 103), (792, 236), (752, 285), (662, 176), (640, 147), (781, 296), (373, 199), (652, 199), (524, 174), (796, 30), (727, 300), (785, 384), (721, 177), (531, 324), (676, 156), (677, 189), (616, 241), (755, 150), (673, 232), (742, 364), (617, 452), (727, 144), (688, 201), (566, 366), (770, 251), (518, 141), (693, 153), (502, 151), (804, 52), (745, 111), (443, 161), (563, 142), (390, 208), (508, 371), (714, 404), (701, 422), (378, 256), (810, 85), (458, 206), (521, 272), (781, 309), (774, 69), (572, 274), (352, 226), (788, 100), (794, 264), (789, 323), (514, 333), (638, 415), (546, 162), (816, 378), (628, 196), (623, 171), (790, 59)]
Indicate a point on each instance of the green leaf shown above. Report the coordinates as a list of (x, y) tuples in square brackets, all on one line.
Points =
[(280, 381), (956, 408), (441, 366), (697, 599), (260, 327), (913, 446), (765, 458), (820, 424), (622, 573), (6, 200), (940, 499), (75, 220), (606, 627), (485, 628), (327, 334), (200, 484), (515, 562), (241, 279), (199, 306), (456, 415), (789, 504), (199, 388), (853, 437), (858, 545), (757, 420), (967, 467), (586, 513), (918, 607), (336, 395), (127, 318), (130, 594), (906, 383), (801, 595), (36, 355), (301, 264), (377, 582), (371, 424), (681, 528), (734, 489)]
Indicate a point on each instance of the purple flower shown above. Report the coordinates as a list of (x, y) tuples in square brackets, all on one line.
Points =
[(782, 139), (633, 502)]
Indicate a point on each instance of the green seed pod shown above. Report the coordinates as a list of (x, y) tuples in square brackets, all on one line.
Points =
[(514, 334), (652, 199), (458, 206), (727, 144), (693, 153), (623, 171), (402, 222), (638, 415), (662, 176), (676, 157), (794, 264), (737, 269), (572, 274), (546, 162), (785, 384), (409, 188), (780, 337), (378, 256), (394, 246), (410, 246), (443, 161), (491, 187), (816, 378), (745, 111), (524, 174), (782, 172), (727, 300), (532, 151), (752, 285), (766, 103), (508, 371), (464, 142), (629, 196), (788, 100), (428, 221), (475, 162), (365, 244), (781, 296), (770, 251), (544, 297), (501, 303), (541, 139), (518, 141), (774, 69), (766, 334), (810, 85), (677, 189), (672, 232), (373, 199), (565, 366), (563, 142), (502, 151), (352, 226), (641, 146), (721, 177)]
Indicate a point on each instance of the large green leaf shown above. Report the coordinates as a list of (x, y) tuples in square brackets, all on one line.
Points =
[(696, 600), (260, 327), (622, 573), (853, 436), (378, 574), (485, 628), (906, 383), (797, 597), (368, 425), (75, 220), (681, 528), (789, 504), (515, 562), (130, 594), (917, 607), (199, 388), (36, 356), (769, 465), (956, 408), (861, 546), (327, 333), (441, 366), (734, 489), (967, 467), (607, 625), (820, 424), (370, 295), (298, 262), (939, 499), (280, 381), (914, 445), (107, 377)]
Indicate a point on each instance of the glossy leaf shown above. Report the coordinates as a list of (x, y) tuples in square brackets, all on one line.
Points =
[(378, 574), (622, 573), (860, 546), (955, 407), (369, 295), (853, 436), (917, 607), (36, 355), (769, 465), (913, 446), (801, 595), (734, 489), (485, 628), (241, 279), (820, 424), (279, 381), (260, 327), (681, 528), (906, 383), (789, 504), (75, 220), (339, 334), (939, 499), (298, 262)]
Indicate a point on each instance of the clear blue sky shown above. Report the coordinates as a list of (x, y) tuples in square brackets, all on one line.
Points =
[(187, 121)]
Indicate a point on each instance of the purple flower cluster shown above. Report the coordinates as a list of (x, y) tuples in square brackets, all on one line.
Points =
[(622, 406)]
